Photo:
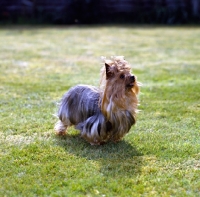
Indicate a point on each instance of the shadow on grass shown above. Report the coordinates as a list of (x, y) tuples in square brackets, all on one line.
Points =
[(116, 159)]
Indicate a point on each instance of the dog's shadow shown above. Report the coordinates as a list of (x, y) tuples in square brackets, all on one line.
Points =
[(116, 159)]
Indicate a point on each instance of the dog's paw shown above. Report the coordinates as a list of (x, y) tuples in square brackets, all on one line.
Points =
[(61, 133)]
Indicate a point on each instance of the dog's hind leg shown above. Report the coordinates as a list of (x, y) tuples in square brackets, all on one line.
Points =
[(60, 128)]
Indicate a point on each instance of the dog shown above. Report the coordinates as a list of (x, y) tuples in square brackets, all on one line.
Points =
[(102, 114)]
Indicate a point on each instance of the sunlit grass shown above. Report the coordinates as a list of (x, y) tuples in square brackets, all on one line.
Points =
[(159, 157)]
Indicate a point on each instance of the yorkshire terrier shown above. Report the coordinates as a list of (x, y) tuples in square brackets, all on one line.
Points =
[(102, 114)]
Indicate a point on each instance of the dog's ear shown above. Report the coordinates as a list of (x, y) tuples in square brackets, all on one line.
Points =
[(109, 73)]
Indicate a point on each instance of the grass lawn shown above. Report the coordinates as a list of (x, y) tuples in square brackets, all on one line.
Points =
[(160, 156)]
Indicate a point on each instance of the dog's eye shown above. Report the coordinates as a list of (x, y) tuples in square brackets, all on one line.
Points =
[(122, 76)]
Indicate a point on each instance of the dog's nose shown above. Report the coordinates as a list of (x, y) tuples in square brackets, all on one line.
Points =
[(132, 78)]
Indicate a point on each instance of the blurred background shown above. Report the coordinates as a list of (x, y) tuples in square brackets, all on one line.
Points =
[(99, 11)]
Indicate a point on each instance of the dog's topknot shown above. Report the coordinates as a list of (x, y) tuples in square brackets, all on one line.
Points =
[(118, 61)]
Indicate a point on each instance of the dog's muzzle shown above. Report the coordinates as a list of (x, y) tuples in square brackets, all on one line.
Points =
[(131, 82)]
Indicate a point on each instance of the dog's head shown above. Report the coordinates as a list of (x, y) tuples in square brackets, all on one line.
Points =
[(117, 73)]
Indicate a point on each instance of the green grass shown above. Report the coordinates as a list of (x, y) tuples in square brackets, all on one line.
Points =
[(161, 154)]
